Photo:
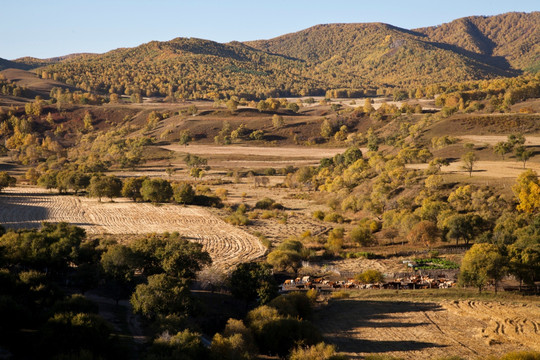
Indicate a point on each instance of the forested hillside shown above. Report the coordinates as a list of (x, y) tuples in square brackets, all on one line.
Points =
[(356, 58), (510, 39)]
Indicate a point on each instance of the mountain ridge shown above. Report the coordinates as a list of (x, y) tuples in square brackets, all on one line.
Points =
[(357, 57)]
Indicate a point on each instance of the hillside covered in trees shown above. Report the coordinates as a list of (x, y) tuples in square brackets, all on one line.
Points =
[(357, 58)]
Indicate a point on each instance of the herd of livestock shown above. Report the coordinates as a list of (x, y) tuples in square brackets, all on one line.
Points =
[(411, 283)]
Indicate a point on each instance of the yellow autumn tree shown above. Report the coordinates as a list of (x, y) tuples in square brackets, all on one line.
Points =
[(527, 190)]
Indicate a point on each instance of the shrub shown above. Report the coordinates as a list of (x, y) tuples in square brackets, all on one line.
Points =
[(268, 204), (321, 351), (238, 219), (222, 193), (318, 215), (362, 236), (334, 217), (295, 305), (370, 277)]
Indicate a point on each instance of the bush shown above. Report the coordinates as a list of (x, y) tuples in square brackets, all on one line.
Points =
[(370, 277), (279, 336), (521, 355), (362, 236), (318, 215), (321, 351), (295, 305), (341, 294), (334, 217), (238, 219), (268, 204)]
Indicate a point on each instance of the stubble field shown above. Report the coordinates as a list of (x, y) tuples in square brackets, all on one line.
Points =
[(424, 330), (28, 207)]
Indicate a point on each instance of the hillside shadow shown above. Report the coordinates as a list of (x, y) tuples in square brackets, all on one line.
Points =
[(362, 316)]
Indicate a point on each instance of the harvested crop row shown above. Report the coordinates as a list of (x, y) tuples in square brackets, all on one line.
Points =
[(28, 207)]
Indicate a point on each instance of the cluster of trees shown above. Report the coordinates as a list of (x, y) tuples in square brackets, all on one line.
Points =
[(155, 190), (8, 88), (33, 263), (413, 205), (516, 144), (22, 136), (156, 273), (227, 135), (500, 93)]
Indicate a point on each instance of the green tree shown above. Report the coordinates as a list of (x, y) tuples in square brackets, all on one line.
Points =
[(469, 160), (156, 190), (162, 295), (105, 186), (192, 110), (88, 122), (522, 154), (252, 281), (327, 130), (183, 193), (67, 335), (6, 180), (277, 121), (132, 188), (362, 235), (118, 263), (502, 148), (232, 105), (185, 137), (483, 262), (463, 227)]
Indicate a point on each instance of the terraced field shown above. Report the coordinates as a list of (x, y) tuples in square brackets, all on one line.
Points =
[(426, 330), (228, 245)]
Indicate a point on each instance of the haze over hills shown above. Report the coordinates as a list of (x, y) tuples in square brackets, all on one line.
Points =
[(358, 58)]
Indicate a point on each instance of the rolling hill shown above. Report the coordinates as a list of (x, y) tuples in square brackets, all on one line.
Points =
[(511, 39), (357, 57)]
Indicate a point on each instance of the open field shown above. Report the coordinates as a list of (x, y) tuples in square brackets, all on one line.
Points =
[(228, 245), (492, 169), (423, 330), (234, 156)]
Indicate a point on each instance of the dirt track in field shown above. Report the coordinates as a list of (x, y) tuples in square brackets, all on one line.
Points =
[(228, 245), (420, 330)]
